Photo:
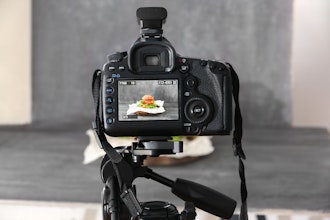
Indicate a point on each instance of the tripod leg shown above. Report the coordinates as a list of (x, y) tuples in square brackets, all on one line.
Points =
[(111, 199), (105, 205)]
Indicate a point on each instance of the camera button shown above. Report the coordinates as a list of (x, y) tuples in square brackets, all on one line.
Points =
[(188, 129), (190, 82), (194, 130), (198, 111), (110, 80), (109, 120), (109, 110), (184, 68), (121, 68), (187, 94), (109, 100), (112, 68), (109, 90)]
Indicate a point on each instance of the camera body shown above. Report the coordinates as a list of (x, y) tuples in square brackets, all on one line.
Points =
[(153, 91)]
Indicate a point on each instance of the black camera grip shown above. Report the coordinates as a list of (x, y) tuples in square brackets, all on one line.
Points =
[(204, 198)]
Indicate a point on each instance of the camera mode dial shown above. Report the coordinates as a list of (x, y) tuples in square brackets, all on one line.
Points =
[(198, 110)]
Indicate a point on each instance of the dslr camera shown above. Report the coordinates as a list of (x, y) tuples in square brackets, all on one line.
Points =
[(153, 93), (151, 90)]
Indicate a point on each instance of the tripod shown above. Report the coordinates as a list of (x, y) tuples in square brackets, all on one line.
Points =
[(119, 200)]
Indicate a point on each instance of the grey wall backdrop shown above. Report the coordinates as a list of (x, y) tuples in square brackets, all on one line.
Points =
[(72, 38)]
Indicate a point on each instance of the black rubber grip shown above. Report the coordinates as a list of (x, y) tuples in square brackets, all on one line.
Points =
[(204, 198)]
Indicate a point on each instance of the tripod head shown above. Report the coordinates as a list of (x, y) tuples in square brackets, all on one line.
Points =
[(156, 146)]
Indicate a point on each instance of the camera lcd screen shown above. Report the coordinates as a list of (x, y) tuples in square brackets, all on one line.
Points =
[(148, 100)]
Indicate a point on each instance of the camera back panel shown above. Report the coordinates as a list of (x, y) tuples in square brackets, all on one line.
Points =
[(194, 98)]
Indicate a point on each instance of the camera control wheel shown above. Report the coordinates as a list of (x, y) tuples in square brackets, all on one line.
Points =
[(198, 110)]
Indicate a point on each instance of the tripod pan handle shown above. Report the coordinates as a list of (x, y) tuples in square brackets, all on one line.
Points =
[(204, 198)]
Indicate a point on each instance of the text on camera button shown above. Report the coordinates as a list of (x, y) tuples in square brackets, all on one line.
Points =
[(109, 100), (112, 68), (198, 110), (121, 68)]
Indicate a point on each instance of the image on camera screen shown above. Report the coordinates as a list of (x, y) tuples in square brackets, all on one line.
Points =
[(148, 100)]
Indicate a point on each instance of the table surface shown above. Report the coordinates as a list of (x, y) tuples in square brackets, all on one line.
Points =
[(286, 168)]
